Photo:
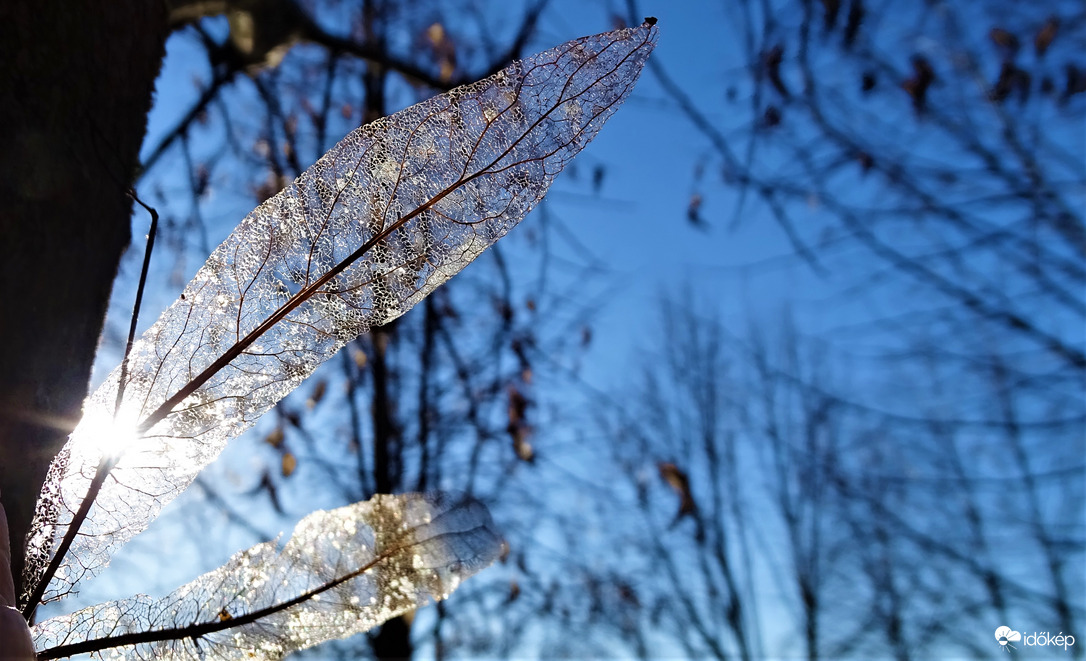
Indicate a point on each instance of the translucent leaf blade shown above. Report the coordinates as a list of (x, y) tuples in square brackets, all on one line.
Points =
[(393, 211), (343, 571)]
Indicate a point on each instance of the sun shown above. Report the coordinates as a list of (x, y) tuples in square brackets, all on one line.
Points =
[(109, 434)]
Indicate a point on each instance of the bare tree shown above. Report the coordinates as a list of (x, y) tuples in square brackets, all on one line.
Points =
[(858, 532), (925, 162)]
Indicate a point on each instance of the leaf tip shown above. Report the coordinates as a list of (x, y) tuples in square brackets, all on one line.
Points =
[(650, 21)]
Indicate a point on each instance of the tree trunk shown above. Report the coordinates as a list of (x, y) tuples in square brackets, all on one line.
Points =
[(78, 83)]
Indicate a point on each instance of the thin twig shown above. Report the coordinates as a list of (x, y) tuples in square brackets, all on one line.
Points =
[(151, 232)]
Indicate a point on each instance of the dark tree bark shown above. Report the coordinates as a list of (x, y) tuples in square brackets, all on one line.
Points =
[(393, 641), (78, 81)]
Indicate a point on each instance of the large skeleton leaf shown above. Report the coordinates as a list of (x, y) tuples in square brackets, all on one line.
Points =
[(398, 207)]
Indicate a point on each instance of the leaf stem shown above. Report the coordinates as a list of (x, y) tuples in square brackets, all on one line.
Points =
[(198, 630)]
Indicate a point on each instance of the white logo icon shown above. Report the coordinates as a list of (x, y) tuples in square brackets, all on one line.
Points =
[(1005, 636)]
